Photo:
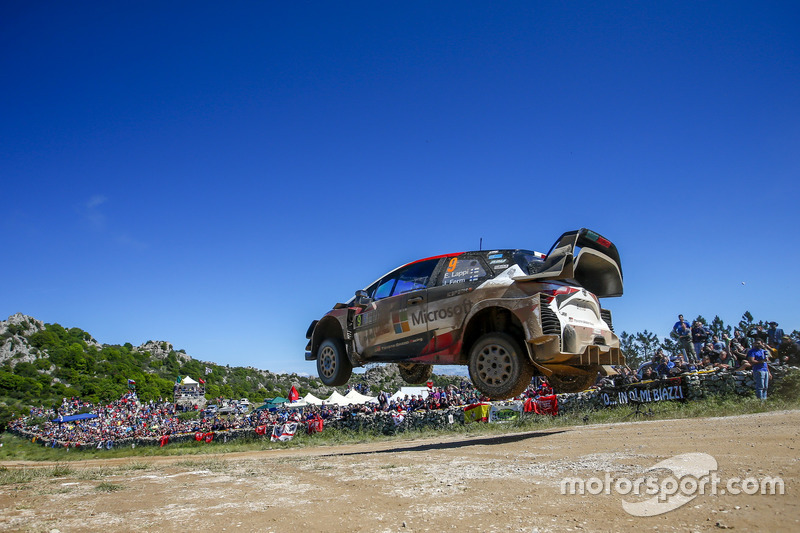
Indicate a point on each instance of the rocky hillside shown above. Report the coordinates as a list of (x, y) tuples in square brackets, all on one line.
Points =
[(41, 363)]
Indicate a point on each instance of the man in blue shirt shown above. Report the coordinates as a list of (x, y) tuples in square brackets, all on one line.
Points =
[(758, 356), (684, 332)]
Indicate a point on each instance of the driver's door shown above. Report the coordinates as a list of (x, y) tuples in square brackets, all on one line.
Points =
[(394, 326)]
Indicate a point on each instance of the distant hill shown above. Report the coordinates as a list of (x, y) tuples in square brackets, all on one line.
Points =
[(42, 363)]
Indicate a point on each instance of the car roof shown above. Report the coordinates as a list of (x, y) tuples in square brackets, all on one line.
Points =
[(487, 252), (539, 255), (456, 254)]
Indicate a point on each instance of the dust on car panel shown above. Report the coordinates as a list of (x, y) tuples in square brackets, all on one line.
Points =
[(506, 314)]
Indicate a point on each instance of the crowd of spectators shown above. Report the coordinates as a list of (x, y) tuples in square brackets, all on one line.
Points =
[(700, 350), (129, 417)]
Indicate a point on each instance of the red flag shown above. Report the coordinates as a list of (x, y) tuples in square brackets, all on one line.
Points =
[(201, 380), (208, 437), (198, 436), (164, 440), (528, 406), (261, 430), (293, 395), (546, 405), (315, 425)]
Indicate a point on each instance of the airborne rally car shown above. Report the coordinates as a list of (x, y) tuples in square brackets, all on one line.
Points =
[(506, 314)]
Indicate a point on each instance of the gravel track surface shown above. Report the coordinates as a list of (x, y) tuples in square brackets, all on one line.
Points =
[(499, 483)]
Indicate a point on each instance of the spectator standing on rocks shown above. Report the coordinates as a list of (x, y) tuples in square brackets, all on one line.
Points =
[(759, 357), (758, 334), (700, 336), (684, 332), (774, 335)]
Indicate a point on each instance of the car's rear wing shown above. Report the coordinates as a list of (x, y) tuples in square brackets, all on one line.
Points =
[(585, 257)]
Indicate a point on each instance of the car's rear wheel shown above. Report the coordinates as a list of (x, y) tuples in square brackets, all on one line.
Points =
[(414, 373), (333, 366), (498, 367), (574, 382)]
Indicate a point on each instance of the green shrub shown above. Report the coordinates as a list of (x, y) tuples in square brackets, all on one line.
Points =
[(788, 388)]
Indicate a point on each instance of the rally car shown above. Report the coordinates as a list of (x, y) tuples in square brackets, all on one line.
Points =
[(506, 314)]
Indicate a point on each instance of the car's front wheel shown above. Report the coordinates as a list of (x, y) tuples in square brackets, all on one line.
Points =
[(498, 367), (333, 366), (413, 373)]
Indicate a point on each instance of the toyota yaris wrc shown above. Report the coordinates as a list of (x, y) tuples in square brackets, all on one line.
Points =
[(506, 314)]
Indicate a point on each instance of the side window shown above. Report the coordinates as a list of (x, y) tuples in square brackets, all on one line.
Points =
[(463, 269), (411, 278), (415, 276)]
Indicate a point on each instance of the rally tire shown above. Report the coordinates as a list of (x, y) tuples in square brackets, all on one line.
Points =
[(498, 367), (574, 382), (333, 366), (413, 373)]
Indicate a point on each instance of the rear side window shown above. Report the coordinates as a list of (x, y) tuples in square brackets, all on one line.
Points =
[(463, 269)]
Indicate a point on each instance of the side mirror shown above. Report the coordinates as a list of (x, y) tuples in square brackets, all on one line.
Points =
[(362, 298)]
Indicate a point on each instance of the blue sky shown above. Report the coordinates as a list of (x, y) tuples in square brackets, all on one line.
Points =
[(218, 176)]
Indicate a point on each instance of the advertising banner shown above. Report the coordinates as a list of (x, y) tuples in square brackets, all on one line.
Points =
[(505, 413), (644, 392)]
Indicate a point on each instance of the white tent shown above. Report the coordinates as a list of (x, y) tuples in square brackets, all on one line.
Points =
[(416, 391), (356, 397), (311, 399), (336, 399), (188, 381), (305, 401)]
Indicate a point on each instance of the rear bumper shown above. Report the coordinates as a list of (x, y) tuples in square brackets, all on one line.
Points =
[(600, 355), (545, 351)]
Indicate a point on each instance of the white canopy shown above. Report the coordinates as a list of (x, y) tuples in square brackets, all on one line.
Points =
[(416, 391), (188, 381), (305, 401), (336, 399), (356, 397), (311, 399)]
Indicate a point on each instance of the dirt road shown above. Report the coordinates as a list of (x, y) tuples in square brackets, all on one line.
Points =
[(507, 483)]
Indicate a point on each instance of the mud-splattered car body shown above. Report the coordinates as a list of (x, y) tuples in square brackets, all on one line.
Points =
[(507, 314)]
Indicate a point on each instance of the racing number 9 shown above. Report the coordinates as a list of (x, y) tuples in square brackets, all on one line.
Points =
[(452, 265)]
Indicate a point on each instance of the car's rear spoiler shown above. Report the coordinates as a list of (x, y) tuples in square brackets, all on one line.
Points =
[(595, 266)]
